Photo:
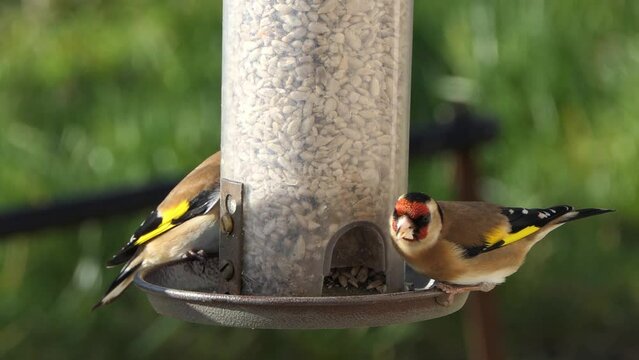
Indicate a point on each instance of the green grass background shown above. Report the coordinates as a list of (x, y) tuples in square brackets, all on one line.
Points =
[(98, 94)]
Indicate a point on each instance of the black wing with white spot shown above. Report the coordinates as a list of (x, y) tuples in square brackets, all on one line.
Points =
[(521, 218)]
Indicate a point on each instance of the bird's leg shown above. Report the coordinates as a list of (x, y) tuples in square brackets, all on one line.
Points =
[(195, 254), (457, 289), (449, 290), (200, 255), (452, 290)]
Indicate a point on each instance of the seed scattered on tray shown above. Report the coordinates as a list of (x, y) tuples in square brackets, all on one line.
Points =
[(357, 277)]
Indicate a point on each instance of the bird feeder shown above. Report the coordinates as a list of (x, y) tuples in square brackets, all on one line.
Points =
[(315, 116)]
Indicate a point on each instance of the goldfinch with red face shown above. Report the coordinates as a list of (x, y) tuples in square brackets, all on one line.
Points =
[(469, 246), (184, 224)]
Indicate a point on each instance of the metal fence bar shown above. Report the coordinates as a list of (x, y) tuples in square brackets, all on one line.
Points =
[(71, 211)]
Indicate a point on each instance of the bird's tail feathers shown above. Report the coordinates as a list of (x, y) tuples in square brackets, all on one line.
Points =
[(118, 285), (583, 213)]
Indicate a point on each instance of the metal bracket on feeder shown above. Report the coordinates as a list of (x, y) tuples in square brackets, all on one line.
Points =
[(231, 235)]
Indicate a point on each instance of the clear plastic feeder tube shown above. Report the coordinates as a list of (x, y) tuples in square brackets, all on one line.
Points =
[(315, 112)]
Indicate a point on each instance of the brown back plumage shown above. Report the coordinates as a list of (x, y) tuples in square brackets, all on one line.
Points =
[(465, 223), (199, 179)]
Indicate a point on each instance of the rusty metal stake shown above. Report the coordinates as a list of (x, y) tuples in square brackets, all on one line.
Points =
[(484, 336)]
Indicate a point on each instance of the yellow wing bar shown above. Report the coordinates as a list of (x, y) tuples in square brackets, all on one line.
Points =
[(500, 234), (167, 222)]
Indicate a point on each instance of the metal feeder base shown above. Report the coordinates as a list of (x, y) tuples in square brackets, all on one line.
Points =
[(186, 290)]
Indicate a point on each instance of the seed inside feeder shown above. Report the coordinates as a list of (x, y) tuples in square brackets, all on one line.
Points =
[(315, 125)]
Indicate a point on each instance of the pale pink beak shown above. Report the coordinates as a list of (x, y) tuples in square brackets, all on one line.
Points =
[(405, 229)]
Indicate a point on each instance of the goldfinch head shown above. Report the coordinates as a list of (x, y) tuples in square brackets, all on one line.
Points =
[(415, 220)]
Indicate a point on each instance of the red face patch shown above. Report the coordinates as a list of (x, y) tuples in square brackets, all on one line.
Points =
[(412, 209), (423, 232)]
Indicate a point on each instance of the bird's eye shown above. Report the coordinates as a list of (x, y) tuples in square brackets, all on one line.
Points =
[(424, 219)]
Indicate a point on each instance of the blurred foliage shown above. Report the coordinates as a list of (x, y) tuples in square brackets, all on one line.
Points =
[(97, 94)]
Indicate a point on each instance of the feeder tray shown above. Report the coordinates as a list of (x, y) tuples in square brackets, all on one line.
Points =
[(188, 290)]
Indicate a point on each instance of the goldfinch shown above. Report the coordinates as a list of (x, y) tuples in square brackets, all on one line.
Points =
[(469, 246), (184, 224)]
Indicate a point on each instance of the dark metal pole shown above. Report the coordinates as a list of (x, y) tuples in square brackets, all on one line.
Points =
[(73, 211)]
